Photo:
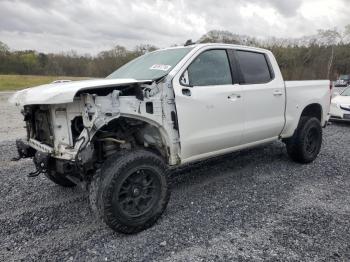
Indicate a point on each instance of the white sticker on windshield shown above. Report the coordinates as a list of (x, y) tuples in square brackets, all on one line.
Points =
[(160, 67)]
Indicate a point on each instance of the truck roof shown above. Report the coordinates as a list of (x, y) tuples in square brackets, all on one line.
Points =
[(198, 46)]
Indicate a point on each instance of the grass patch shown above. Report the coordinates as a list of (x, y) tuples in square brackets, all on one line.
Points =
[(17, 82)]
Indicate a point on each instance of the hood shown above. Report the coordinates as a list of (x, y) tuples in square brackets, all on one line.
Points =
[(63, 92), (344, 100)]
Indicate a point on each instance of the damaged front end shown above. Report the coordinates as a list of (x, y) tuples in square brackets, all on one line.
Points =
[(73, 139)]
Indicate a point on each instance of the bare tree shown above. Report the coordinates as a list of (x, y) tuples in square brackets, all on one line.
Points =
[(330, 38)]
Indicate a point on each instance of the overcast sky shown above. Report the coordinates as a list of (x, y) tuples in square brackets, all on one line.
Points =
[(89, 26)]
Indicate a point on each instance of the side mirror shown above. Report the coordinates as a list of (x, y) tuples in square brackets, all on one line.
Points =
[(184, 79)]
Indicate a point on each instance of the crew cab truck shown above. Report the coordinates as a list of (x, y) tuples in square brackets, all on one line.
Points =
[(120, 135)]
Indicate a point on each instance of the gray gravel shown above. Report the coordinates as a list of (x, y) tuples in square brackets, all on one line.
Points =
[(253, 205)]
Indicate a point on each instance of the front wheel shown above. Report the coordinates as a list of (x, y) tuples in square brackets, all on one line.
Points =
[(306, 142), (132, 191)]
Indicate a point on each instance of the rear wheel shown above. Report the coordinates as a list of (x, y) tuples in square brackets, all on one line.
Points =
[(306, 143), (59, 179), (132, 191)]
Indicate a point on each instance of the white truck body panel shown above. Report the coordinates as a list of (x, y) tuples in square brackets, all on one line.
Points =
[(263, 106), (301, 94), (204, 122)]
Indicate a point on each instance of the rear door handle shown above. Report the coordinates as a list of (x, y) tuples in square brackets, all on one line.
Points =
[(277, 93), (234, 97)]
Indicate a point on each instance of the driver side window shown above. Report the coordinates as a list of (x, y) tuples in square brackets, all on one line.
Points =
[(210, 68)]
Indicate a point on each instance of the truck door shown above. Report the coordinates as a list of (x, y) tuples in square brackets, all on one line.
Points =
[(263, 94), (209, 106)]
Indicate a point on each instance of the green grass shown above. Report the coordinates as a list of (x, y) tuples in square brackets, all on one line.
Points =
[(17, 82)]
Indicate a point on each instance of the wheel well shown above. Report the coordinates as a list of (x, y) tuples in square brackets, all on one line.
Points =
[(130, 133), (313, 110)]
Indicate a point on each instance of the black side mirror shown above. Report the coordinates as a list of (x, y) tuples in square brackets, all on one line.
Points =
[(184, 79)]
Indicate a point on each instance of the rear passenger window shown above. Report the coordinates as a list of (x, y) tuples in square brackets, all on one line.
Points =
[(254, 67), (210, 68)]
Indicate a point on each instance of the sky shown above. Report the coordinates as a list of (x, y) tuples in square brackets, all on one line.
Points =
[(90, 26)]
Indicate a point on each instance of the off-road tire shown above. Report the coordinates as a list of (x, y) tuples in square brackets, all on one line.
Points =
[(59, 179), (306, 142), (106, 190)]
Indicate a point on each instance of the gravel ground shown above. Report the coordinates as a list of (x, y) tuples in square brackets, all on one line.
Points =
[(250, 206)]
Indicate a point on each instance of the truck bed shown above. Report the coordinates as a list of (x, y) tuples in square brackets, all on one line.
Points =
[(299, 94)]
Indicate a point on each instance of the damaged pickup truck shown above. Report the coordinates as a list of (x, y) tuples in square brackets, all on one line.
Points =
[(119, 136)]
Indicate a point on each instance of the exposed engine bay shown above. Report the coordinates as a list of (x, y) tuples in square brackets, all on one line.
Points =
[(77, 137)]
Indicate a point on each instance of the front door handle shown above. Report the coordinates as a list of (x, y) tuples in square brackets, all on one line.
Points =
[(277, 92), (186, 92)]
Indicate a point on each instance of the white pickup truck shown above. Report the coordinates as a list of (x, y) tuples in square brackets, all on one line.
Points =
[(119, 135)]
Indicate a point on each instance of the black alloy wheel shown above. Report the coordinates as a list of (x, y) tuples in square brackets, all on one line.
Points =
[(138, 192)]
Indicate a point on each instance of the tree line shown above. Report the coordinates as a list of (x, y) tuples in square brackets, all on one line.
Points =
[(324, 55), (30, 62)]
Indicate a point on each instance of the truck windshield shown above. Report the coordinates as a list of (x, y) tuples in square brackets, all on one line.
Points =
[(346, 92), (151, 66)]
